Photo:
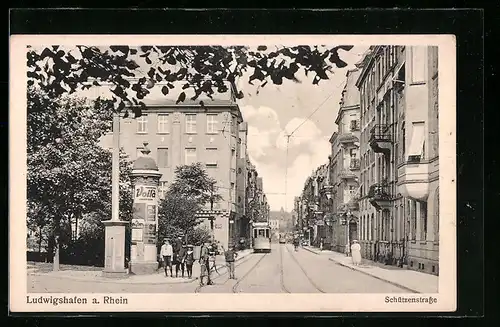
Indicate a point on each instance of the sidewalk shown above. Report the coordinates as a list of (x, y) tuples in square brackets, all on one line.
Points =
[(95, 276), (410, 280)]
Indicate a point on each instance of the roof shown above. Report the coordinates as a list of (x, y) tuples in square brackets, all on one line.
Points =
[(350, 95), (145, 162)]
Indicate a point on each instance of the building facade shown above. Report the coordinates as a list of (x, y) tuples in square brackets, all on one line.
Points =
[(182, 134), (399, 157), (344, 165)]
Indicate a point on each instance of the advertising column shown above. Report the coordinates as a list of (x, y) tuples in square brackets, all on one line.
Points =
[(145, 179)]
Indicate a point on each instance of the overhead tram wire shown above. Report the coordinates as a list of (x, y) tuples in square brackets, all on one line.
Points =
[(291, 134)]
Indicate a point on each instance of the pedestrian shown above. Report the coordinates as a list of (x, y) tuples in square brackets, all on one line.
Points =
[(356, 252), (230, 256), (181, 257), (205, 264), (166, 253), (189, 260)]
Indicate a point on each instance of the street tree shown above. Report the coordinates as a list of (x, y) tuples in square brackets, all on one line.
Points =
[(69, 174), (192, 181), (190, 191), (203, 69)]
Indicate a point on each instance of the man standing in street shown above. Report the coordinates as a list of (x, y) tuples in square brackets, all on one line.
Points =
[(230, 256), (166, 253), (205, 264), (181, 257)]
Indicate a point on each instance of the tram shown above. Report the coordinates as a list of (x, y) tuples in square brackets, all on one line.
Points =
[(261, 237)]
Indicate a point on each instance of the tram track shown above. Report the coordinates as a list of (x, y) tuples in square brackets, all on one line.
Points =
[(235, 286), (304, 271), (282, 272), (240, 262)]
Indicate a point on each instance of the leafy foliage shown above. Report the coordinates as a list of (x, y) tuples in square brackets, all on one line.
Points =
[(191, 190), (69, 174), (192, 181), (202, 68), (176, 216)]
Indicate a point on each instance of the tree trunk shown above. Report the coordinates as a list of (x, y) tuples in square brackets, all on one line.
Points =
[(55, 265), (40, 239)]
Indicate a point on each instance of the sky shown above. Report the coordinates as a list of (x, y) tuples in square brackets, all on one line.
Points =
[(279, 110)]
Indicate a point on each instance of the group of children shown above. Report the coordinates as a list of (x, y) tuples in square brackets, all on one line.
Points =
[(182, 256)]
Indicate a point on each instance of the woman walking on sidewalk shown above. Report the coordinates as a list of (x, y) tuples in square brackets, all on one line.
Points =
[(356, 252)]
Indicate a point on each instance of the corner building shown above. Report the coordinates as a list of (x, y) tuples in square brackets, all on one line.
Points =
[(344, 165), (399, 203), (185, 133)]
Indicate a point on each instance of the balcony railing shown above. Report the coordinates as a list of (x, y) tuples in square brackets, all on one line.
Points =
[(346, 174), (380, 191), (381, 133), (355, 164)]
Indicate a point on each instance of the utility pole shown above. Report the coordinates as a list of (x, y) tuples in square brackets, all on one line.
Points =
[(286, 168)]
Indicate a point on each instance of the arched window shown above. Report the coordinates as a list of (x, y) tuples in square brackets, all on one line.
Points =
[(436, 216)]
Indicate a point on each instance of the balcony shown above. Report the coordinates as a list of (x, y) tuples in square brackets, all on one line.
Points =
[(355, 164), (414, 178), (346, 174), (381, 138), (348, 139), (380, 196)]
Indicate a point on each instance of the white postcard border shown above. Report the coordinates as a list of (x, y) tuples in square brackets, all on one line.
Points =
[(447, 296)]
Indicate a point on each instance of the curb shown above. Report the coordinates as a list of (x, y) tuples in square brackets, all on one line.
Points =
[(124, 280), (375, 276), (367, 273)]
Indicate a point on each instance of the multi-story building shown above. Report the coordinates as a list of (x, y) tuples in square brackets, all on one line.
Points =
[(316, 205), (344, 164), (256, 202), (186, 133), (399, 156)]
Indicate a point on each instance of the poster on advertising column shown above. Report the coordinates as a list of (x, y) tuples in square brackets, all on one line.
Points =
[(150, 227), (145, 194)]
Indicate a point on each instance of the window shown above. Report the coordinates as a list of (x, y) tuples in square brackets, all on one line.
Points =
[(189, 156), (423, 221), (142, 124), (418, 63), (162, 189), (162, 157), (211, 160), (162, 123), (353, 153), (436, 216), (211, 124), (190, 123), (415, 151), (413, 219), (352, 190)]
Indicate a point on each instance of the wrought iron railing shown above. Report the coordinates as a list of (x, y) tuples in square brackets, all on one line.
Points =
[(381, 132), (380, 191)]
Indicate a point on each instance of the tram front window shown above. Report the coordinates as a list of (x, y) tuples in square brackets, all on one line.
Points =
[(254, 233), (267, 233), (261, 233)]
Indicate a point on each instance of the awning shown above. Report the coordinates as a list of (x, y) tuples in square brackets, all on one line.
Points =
[(417, 140)]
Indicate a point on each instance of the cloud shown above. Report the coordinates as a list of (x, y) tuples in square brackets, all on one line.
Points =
[(308, 149), (263, 128)]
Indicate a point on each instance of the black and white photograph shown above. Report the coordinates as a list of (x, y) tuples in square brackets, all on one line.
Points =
[(275, 173)]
